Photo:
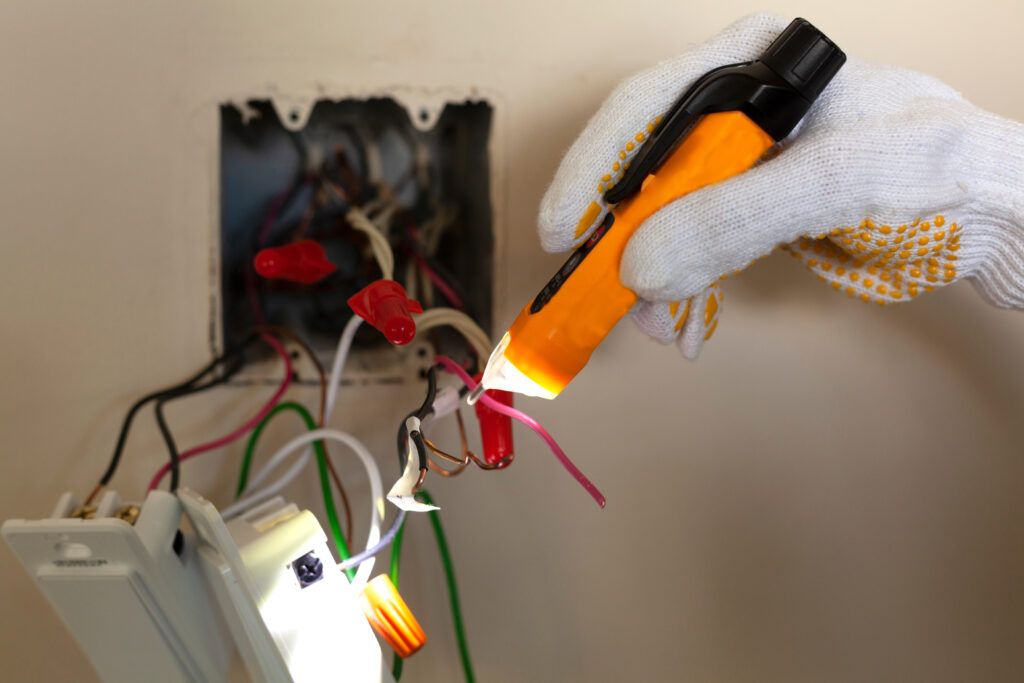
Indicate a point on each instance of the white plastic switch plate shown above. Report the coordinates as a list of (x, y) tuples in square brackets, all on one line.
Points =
[(138, 608)]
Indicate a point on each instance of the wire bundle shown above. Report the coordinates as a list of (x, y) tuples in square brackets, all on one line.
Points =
[(342, 199), (383, 221)]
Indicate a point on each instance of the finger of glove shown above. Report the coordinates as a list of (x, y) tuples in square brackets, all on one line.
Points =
[(722, 228), (701, 321), (690, 323), (661, 320), (573, 204)]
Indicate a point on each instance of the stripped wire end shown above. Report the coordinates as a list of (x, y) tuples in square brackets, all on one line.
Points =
[(475, 395)]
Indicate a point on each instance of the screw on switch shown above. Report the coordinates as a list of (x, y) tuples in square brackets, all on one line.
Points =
[(308, 569)]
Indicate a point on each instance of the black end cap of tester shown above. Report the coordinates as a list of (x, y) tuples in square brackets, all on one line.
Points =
[(775, 91), (804, 58)]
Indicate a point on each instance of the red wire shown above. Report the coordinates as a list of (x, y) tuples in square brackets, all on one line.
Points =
[(244, 429), (454, 367)]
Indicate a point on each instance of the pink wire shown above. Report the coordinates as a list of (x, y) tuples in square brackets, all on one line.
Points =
[(441, 285), (250, 292), (274, 210), (439, 282), (454, 367), (244, 429)]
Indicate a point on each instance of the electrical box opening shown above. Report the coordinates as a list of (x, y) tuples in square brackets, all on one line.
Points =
[(427, 191)]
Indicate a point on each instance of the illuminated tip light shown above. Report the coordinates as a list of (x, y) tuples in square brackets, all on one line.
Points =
[(500, 373), (304, 262), (385, 305), (390, 616)]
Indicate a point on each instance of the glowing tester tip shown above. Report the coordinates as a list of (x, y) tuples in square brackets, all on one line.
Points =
[(500, 373)]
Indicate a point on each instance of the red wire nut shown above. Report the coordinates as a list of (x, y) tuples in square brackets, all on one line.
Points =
[(385, 305), (495, 428), (305, 262)]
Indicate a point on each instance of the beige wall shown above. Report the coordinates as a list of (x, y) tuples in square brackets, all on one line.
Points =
[(833, 492)]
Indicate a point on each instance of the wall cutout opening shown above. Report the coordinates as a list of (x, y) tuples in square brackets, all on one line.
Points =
[(428, 192)]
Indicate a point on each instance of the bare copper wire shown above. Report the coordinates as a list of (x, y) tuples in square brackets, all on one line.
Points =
[(467, 455), (419, 481), (461, 462), (500, 465), (88, 499)]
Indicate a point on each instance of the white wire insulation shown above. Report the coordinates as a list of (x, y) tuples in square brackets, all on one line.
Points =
[(462, 323), (255, 494), (348, 335), (411, 283), (254, 497), (369, 553), (378, 242), (372, 472)]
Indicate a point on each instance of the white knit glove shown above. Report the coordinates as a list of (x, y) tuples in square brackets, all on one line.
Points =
[(891, 186)]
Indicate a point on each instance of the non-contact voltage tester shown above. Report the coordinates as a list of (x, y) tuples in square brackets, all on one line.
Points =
[(721, 126)]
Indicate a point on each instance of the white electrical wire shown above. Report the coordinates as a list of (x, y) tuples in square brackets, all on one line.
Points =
[(257, 495), (372, 472), (382, 219), (375, 230), (411, 281), (348, 335), (378, 242), (254, 497), (466, 326)]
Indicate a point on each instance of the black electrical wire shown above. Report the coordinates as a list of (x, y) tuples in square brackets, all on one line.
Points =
[(161, 421), (126, 425), (402, 436), (416, 436), (122, 437), (427, 406), (421, 413)]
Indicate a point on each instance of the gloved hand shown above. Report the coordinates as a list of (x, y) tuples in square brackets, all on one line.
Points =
[(891, 186)]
